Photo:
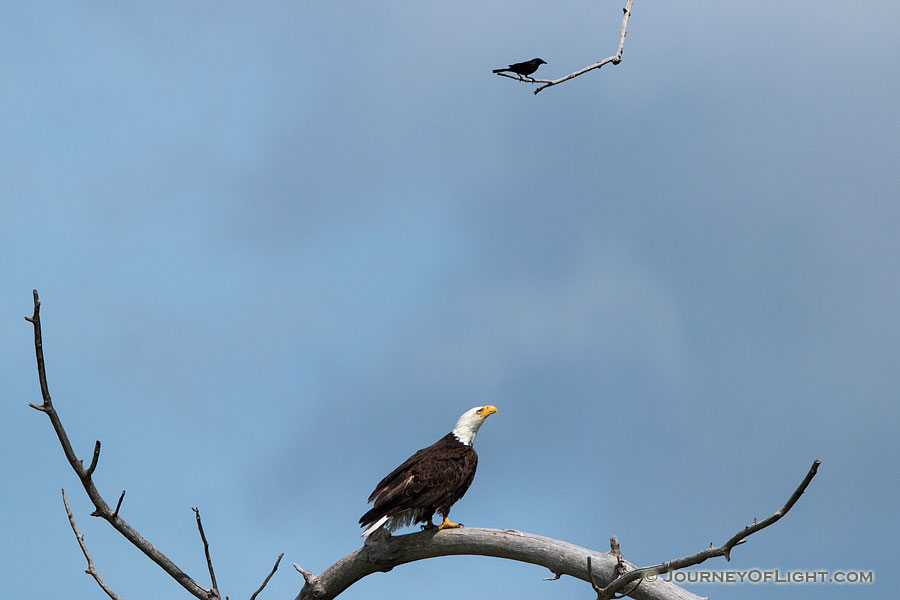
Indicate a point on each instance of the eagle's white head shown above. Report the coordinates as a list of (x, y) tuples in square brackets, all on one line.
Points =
[(470, 422)]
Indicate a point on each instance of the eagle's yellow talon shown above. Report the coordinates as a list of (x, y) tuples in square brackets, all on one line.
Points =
[(448, 525)]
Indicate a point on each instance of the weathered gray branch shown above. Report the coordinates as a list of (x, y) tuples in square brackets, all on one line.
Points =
[(614, 59), (102, 508), (268, 577), (383, 552)]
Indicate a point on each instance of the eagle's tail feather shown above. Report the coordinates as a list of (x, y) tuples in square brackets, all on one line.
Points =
[(375, 526)]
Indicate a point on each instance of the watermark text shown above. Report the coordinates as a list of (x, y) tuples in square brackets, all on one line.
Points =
[(767, 576)]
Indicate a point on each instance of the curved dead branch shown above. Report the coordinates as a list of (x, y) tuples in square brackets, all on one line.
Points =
[(607, 572), (383, 552)]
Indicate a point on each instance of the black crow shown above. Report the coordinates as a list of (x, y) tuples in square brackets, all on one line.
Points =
[(523, 69)]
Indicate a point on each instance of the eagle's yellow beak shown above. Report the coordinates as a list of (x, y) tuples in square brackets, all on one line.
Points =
[(487, 410)]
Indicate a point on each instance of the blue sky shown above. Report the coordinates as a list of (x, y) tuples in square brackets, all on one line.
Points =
[(280, 247)]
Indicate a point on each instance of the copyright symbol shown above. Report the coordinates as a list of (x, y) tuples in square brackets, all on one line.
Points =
[(651, 577)]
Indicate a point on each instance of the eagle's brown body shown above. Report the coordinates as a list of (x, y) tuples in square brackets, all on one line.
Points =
[(429, 482)]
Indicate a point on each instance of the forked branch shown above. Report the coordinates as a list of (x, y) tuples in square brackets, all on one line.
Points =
[(614, 59), (695, 559)]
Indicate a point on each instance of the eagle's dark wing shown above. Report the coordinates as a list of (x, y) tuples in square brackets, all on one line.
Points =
[(432, 479), (440, 479)]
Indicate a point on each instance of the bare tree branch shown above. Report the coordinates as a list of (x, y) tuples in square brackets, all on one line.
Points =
[(614, 59), (723, 550), (214, 592), (102, 508), (608, 573), (384, 552), (90, 568), (268, 577)]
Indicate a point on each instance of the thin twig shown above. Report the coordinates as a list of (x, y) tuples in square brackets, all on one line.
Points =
[(751, 529), (523, 78), (119, 505), (268, 577), (90, 568), (212, 573), (90, 469), (724, 550)]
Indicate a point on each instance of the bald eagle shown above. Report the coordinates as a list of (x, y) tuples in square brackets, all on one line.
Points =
[(430, 481)]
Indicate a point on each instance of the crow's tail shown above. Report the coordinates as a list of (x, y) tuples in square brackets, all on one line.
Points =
[(499, 70)]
